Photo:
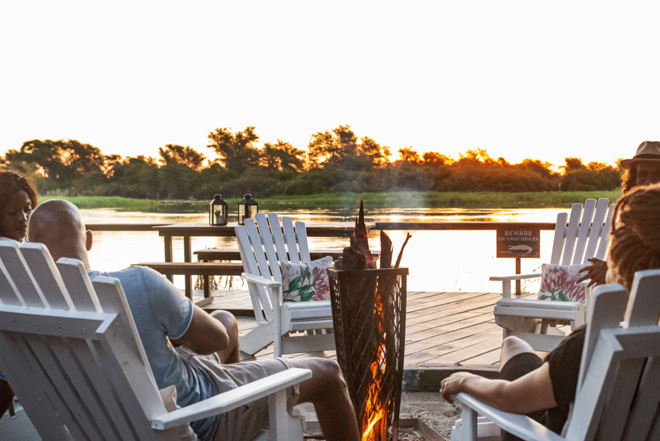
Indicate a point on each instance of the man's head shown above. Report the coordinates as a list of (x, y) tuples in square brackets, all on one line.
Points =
[(57, 224), (644, 167), (636, 234)]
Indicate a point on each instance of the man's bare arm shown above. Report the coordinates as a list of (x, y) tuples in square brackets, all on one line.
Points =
[(205, 334)]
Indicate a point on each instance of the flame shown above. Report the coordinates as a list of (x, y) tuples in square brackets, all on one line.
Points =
[(374, 409)]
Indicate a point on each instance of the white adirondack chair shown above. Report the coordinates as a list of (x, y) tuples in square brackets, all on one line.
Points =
[(71, 352), (583, 235), (617, 396), (291, 326)]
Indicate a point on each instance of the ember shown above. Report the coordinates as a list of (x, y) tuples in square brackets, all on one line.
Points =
[(368, 307)]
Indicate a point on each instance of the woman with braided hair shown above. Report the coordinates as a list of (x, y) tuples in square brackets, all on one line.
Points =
[(545, 389)]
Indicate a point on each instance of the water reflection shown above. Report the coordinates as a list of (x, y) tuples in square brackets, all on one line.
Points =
[(438, 260)]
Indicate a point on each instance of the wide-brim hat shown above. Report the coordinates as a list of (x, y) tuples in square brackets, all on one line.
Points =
[(647, 151)]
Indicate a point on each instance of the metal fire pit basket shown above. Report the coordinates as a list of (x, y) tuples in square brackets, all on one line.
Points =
[(370, 340)]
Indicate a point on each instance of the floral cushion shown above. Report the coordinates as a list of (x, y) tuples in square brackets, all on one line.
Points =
[(558, 283), (306, 281)]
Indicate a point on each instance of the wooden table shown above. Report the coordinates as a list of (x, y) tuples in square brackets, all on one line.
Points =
[(189, 230), (211, 254)]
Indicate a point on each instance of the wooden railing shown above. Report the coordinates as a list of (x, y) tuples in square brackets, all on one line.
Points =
[(385, 226), (406, 226)]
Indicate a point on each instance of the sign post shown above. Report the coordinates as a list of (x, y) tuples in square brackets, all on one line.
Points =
[(519, 243)]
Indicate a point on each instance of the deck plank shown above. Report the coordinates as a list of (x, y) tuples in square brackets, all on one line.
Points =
[(442, 328)]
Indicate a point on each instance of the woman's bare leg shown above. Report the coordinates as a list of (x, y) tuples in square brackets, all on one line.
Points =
[(512, 346)]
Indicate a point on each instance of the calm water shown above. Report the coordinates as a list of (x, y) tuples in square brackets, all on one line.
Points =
[(438, 260)]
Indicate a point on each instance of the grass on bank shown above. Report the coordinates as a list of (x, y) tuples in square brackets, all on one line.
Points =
[(351, 201)]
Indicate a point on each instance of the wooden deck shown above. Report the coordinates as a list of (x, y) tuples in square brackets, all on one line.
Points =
[(442, 328)]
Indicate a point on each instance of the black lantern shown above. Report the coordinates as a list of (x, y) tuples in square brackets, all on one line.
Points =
[(217, 211), (248, 207)]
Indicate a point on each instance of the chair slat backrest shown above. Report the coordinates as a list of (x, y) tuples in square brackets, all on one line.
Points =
[(582, 233), (618, 394), (598, 239), (291, 240), (583, 229), (253, 258), (27, 292), (75, 360), (264, 244)]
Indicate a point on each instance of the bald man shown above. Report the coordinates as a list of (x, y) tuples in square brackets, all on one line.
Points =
[(205, 343)]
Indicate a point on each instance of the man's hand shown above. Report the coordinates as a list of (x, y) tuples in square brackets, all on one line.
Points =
[(453, 384), (596, 272)]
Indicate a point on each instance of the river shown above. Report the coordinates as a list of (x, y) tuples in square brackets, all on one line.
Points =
[(438, 260)]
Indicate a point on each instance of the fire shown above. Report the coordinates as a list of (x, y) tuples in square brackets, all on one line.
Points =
[(375, 410)]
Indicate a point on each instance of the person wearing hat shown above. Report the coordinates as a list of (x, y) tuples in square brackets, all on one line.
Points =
[(644, 167), (641, 169)]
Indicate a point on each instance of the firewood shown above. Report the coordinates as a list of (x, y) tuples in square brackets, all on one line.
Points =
[(359, 239), (386, 250), (353, 259), (398, 259)]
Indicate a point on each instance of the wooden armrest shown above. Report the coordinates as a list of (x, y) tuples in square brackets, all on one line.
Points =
[(519, 425), (232, 399), (538, 304), (268, 283), (506, 281), (514, 277)]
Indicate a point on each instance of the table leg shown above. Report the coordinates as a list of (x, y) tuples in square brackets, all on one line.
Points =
[(187, 257), (167, 240)]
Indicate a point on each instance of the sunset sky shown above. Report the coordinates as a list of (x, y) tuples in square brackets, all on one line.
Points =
[(521, 79)]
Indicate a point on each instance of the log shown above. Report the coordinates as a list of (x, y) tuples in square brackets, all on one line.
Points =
[(386, 250)]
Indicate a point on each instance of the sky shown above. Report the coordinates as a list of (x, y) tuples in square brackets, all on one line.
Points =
[(521, 79)]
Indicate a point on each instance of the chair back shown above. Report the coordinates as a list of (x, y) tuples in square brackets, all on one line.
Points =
[(583, 234), (617, 396), (71, 352), (263, 244)]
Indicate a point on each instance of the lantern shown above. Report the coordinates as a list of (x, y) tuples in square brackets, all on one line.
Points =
[(217, 211), (248, 207)]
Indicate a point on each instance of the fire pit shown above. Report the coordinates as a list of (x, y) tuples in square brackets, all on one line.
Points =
[(369, 313)]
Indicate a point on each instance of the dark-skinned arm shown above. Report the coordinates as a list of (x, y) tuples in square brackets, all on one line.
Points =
[(595, 273), (526, 394), (205, 334)]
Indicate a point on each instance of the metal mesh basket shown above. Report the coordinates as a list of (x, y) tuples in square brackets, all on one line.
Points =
[(369, 313)]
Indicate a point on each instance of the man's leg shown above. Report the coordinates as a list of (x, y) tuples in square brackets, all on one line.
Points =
[(327, 391), (232, 353)]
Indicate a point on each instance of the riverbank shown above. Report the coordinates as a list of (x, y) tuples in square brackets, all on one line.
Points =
[(351, 201)]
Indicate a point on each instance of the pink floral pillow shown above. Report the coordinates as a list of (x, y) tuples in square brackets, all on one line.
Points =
[(302, 282), (558, 283)]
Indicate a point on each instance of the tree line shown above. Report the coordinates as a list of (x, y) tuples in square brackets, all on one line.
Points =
[(335, 161)]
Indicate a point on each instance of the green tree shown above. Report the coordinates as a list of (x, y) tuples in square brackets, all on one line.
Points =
[(435, 159), (331, 148), (282, 156), (407, 154), (173, 154), (44, 155), (378, 155), (81, 159), (573, 164), (236, 150)]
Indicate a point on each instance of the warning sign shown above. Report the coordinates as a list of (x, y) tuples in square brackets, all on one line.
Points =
[(519, 242)]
